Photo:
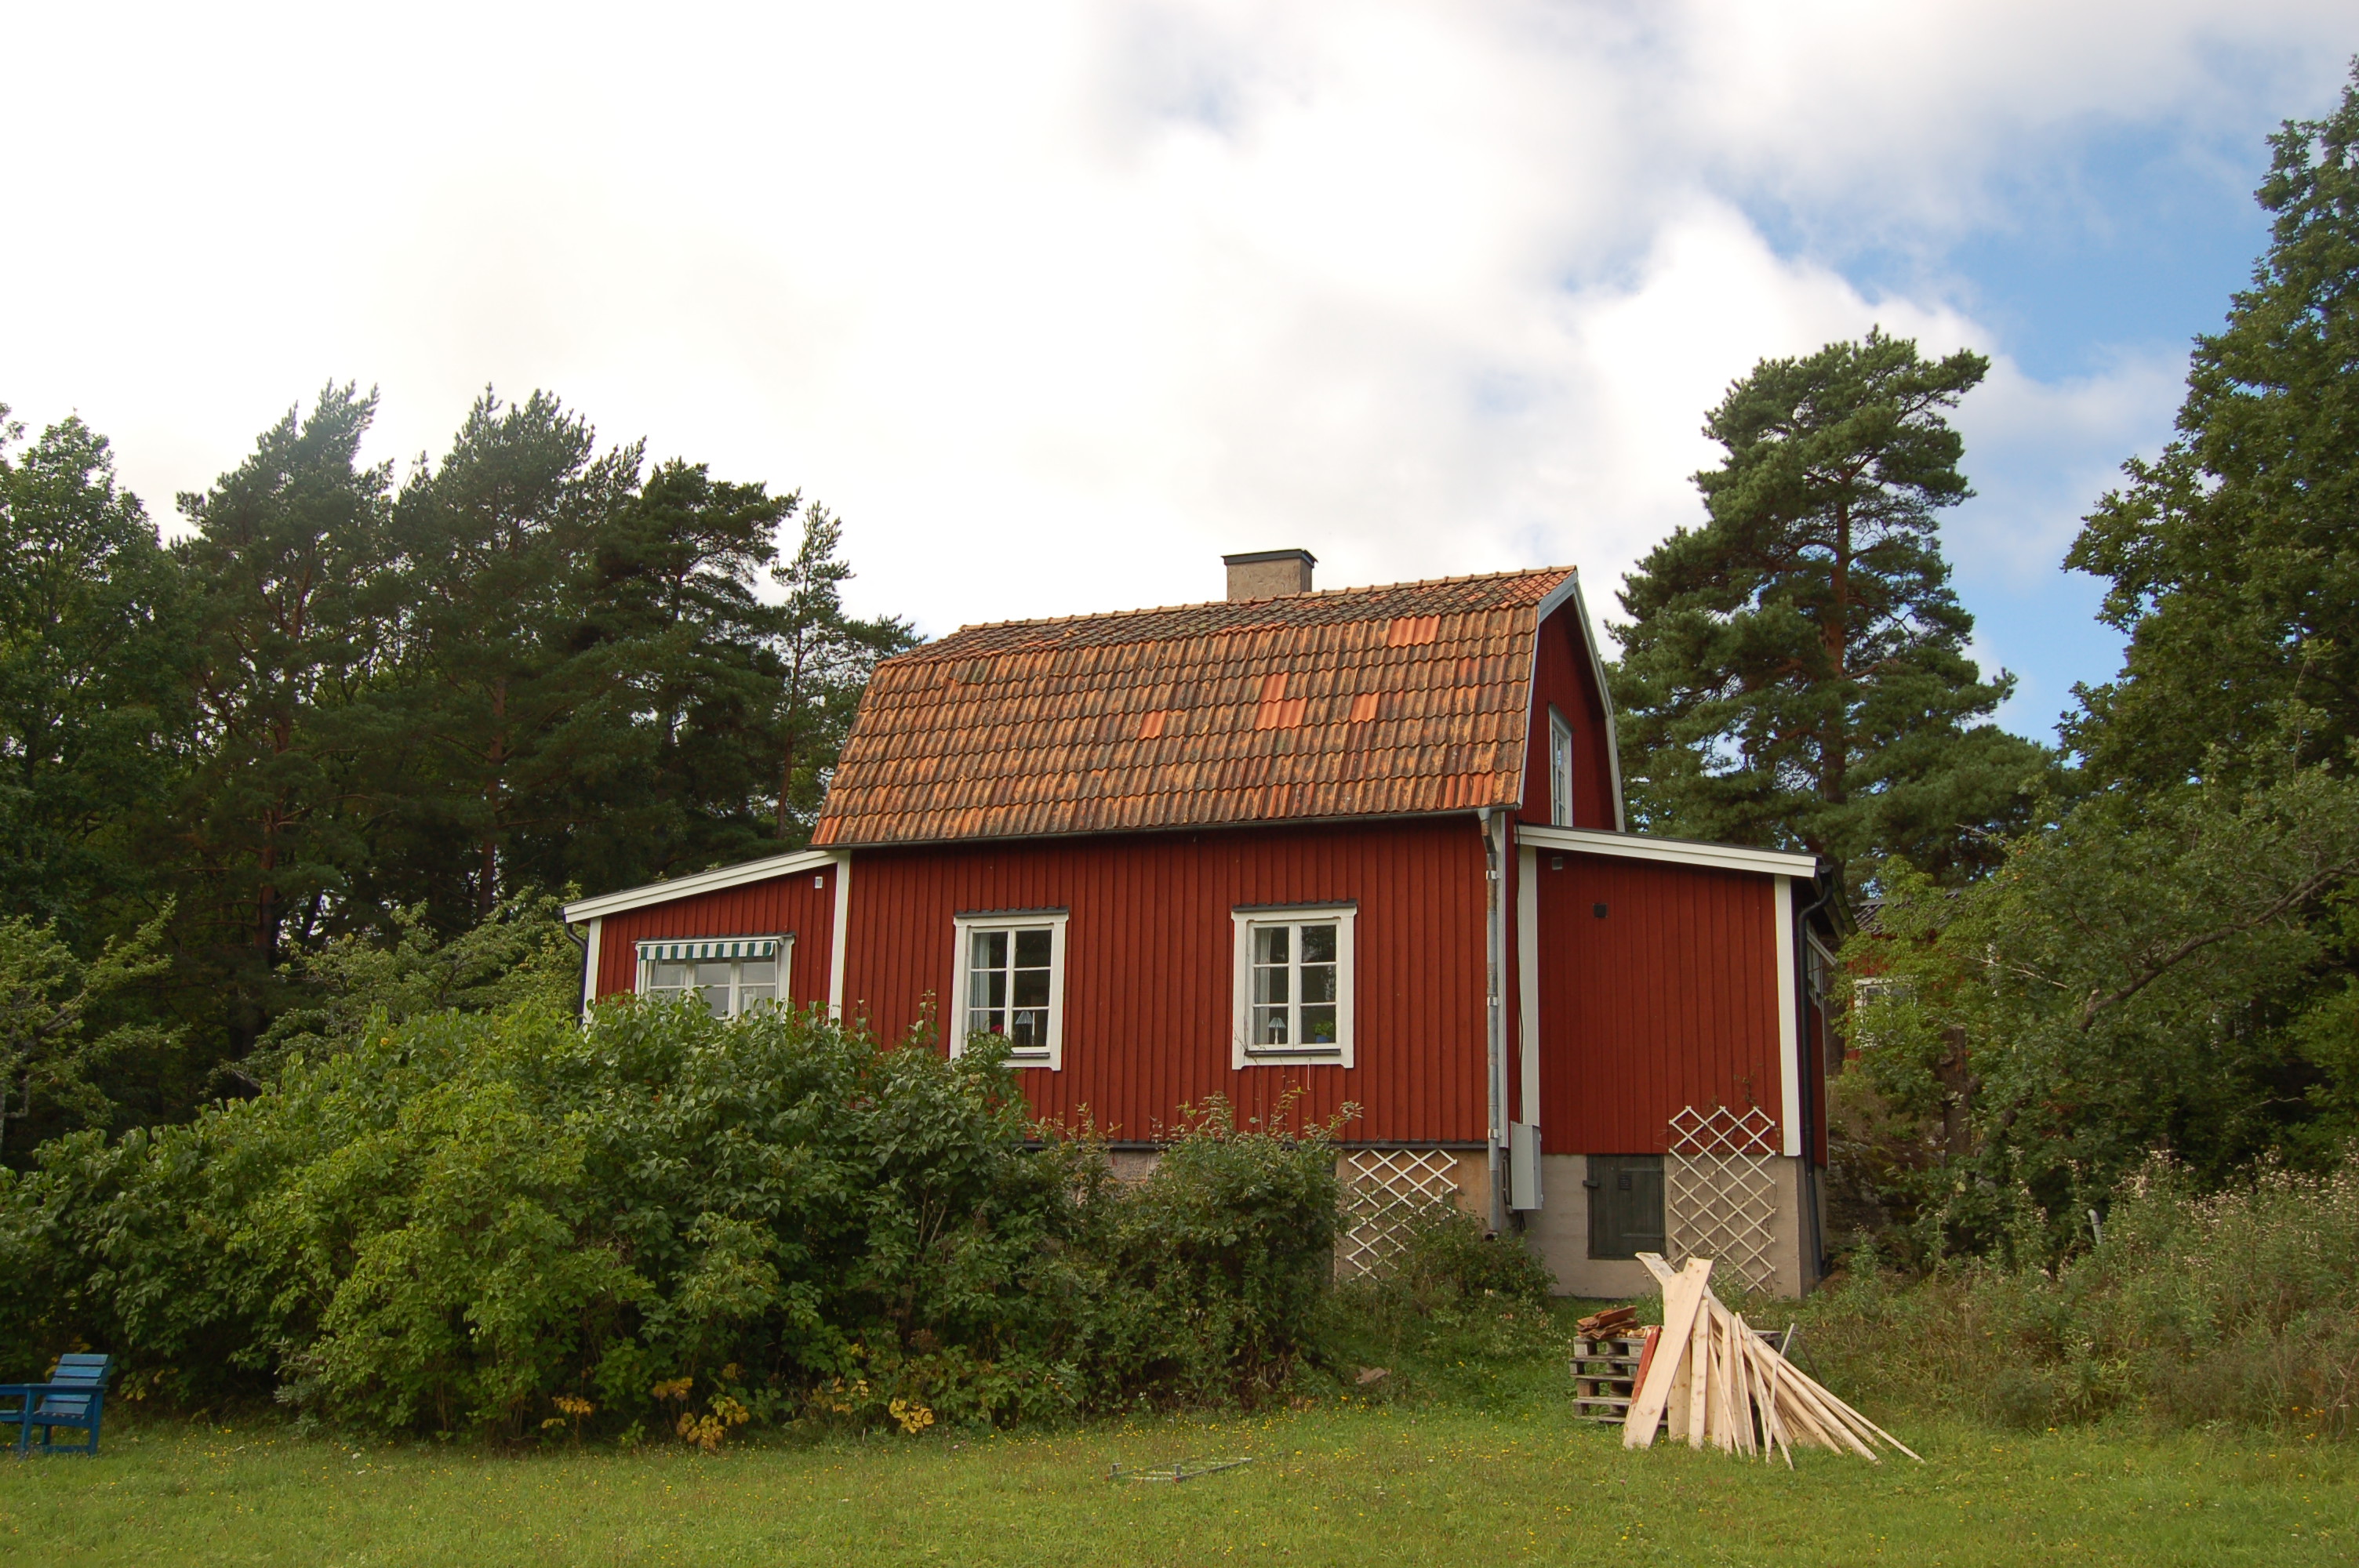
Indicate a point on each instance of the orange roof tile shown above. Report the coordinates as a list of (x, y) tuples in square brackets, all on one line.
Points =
[(1358, 702)]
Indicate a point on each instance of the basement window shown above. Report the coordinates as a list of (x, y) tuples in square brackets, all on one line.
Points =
[(1011, 982), (1293, 985), (733, 975)]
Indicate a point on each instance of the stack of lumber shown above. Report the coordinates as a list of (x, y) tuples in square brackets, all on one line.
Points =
[(1606, 1349), (1708, 1378), (1613, 1322)]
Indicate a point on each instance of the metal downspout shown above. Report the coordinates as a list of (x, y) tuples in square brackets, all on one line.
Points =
[(1811, 1113), (1493, 826)]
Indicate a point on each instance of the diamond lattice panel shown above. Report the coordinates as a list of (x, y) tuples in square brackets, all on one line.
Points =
[(1384, 1193), (1719, 1192)]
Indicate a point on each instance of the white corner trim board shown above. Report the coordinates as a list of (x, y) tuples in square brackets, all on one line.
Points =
[(837, 935), (1670, 851), (1527, 979), (583, 909), (590, 952), (1789, 1028)]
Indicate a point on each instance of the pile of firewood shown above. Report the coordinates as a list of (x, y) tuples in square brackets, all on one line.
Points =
[(1706, 1377)]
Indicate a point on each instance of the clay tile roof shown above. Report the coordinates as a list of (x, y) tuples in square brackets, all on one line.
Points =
[(1358, 702)]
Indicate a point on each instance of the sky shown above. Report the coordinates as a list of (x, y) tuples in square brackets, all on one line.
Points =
[(1055, 303)]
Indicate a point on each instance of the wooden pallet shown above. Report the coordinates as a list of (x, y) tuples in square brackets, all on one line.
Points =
[(1602, 1373)]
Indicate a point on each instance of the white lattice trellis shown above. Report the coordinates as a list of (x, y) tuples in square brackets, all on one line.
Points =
[(1719, 1192), (1384, 1193)]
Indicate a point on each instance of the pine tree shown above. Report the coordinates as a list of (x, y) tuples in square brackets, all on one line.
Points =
[(285, 550), (1794, 671), (490, 544), (826, 657), (2234, 557)]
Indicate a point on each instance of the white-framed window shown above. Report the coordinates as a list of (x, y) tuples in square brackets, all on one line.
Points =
[(1010, 981), (1560, 753), (1293, 985), (734, 974)]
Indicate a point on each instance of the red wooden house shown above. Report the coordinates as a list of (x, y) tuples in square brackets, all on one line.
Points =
[(1363, 845)]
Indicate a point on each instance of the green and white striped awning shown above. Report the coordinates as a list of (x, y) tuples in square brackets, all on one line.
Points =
[(709, 947)]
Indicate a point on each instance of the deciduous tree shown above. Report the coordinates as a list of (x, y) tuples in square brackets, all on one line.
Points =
[(2234, 557)]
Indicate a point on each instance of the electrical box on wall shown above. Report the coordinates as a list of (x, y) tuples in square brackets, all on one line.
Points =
[(1523, 1165)]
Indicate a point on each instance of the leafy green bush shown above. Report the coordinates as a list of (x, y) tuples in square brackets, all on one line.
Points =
[(664, 1220), (1450, 1256)]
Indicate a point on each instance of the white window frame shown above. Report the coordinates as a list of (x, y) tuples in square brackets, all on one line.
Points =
[(965, 927), (1560, 759), (1249, 918), (736, 949)]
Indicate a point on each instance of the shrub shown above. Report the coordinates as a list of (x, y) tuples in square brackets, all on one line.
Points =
[(506, 1222), (1450, 1255)]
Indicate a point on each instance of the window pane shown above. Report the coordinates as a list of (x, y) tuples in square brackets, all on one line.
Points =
[(1032, 948), (758, 972), (1269, 943), (990, 950), (1269, 1026), (750, 996), (989, 1020), (987, 988), (1031, 987), (1318, 1025), (1029, 1029), (1318, 983), (667, 977), (1269, 985), (1319, 944)]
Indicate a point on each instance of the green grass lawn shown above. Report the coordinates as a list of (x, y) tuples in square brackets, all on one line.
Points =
[(1399, 1484)]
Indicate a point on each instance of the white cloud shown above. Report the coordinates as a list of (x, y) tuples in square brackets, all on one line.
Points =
[(1056, 302)]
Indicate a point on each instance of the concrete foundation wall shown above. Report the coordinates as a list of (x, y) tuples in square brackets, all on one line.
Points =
[(1558, 1233)]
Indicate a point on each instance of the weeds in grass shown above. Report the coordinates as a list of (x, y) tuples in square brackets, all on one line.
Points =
[(2239, 1308)]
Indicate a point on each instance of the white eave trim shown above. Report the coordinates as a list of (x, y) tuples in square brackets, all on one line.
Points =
[(699, 882), (1604, 696), (1673, 851)]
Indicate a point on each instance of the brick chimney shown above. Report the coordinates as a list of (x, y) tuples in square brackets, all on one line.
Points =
[(1269, 574)]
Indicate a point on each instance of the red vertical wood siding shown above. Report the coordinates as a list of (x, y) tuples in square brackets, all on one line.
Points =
[(1149, 961), (1671, 1000), (769, 908), (1563, 676)]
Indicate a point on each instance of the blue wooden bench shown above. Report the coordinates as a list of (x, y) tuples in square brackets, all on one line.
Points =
[(74, 1398)]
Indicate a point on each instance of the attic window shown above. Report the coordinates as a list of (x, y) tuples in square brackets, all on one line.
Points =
[(1293, 985), (733, 975), (1560, 753)]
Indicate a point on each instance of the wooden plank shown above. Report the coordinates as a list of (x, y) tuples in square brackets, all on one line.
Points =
[(1773, 1428), (1677, 1412), (1723, 1408), (1806, 1393), (1740, 1385), (1699, 1378), (1680, 1300), (1844, 1409)]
